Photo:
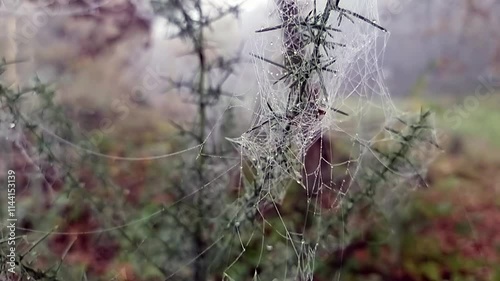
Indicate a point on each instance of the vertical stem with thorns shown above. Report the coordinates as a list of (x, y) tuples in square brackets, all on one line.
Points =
[(191, 20), (200, 273)]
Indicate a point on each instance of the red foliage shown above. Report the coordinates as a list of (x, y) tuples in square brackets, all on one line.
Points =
[(86, 244)]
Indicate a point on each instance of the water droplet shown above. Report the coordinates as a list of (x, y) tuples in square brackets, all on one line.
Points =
[(12, 125)]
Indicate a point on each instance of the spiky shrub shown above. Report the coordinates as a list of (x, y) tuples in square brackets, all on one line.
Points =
[(288, 149), (202, 190), (289, 218), (89, 167)]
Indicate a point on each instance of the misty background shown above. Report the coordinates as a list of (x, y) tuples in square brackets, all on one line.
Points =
[(434, 46), (445, 46)]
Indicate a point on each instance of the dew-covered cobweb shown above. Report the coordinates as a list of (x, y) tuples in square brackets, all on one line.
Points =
[(315, 129)]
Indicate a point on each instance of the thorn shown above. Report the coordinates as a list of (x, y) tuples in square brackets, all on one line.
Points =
[(270, 28), (269, 61), (340, 111), (402, 121)]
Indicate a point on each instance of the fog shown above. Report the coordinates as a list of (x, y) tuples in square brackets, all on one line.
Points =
[(449, 45)]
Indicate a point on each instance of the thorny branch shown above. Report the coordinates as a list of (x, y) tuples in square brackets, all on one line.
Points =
[(299, 69)]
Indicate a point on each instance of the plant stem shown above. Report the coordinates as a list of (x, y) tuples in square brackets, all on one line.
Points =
[(200, 272)]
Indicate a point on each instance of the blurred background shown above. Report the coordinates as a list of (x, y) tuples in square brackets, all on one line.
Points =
[(106, 99), (443, 47)]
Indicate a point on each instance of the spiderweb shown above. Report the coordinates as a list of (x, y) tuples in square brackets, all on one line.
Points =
[(349, 84), (320, 92), (344, 97)]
